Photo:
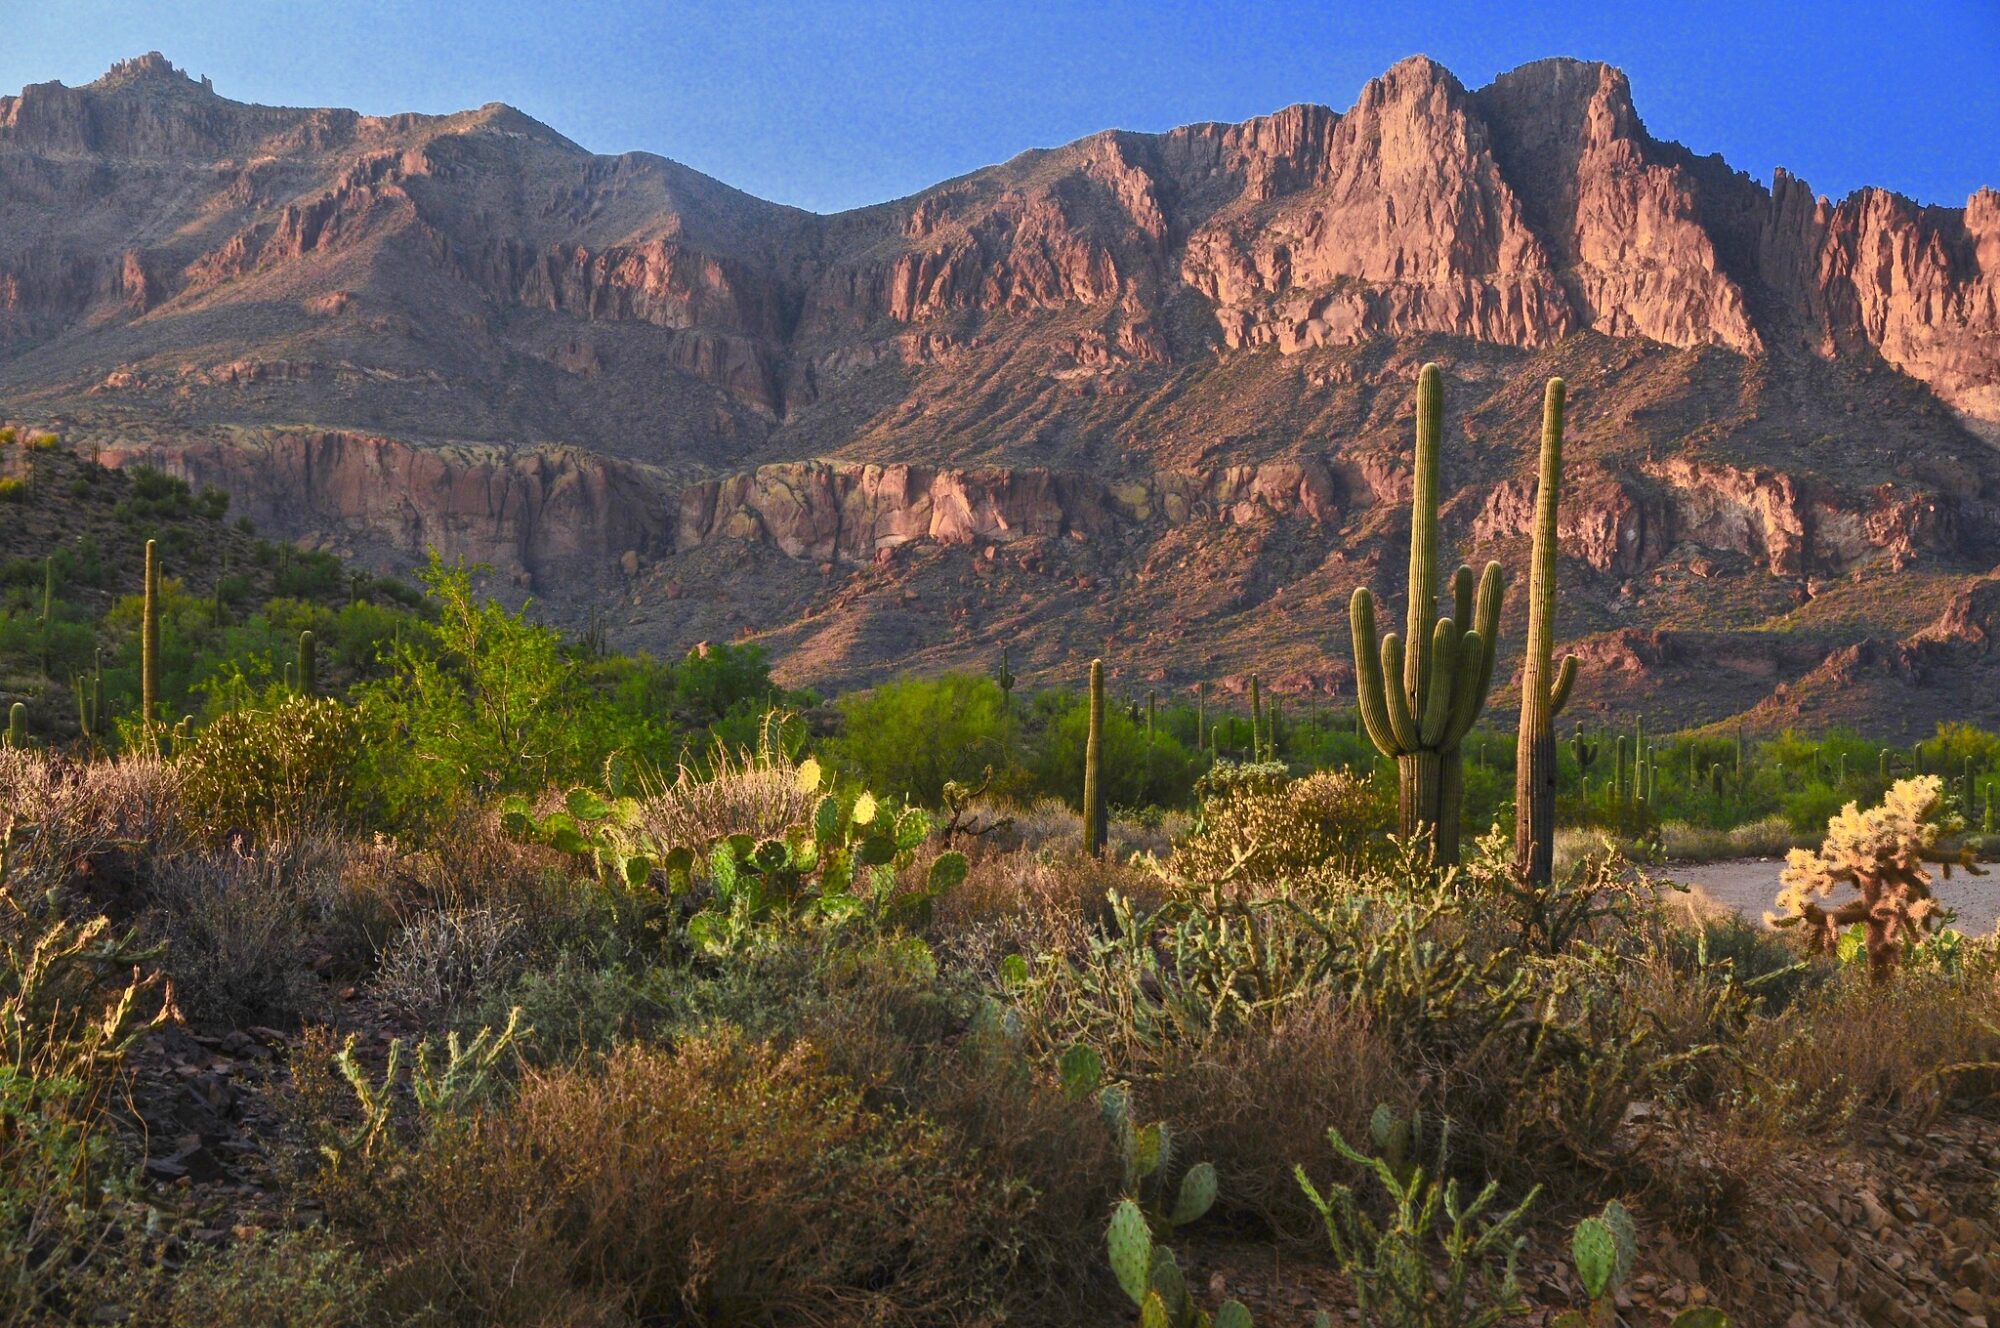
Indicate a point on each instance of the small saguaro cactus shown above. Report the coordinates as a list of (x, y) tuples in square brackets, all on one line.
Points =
[(1005, 677), (1420, 693), (48, 618), (1584, 750), (308, 664), (1545, 685), (149, 640), (17, 725), (1256, 719), (1093, 766), (1201, 713), (89, 689)]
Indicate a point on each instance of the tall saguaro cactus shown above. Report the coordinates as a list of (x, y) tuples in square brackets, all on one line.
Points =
[(1420, 693), (1093, 766), (1545, 686), (308, 664), (149, 640)]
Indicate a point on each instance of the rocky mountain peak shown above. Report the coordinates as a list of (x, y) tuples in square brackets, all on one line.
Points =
[(150, 69)]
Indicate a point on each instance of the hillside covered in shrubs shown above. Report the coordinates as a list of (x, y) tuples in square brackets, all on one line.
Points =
[(406, 962)]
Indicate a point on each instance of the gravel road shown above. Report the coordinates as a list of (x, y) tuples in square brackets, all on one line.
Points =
[(1750, 885)]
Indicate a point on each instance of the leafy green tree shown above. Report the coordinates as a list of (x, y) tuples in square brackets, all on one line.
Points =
[(477, 702), (1134, 775), (910, 736)]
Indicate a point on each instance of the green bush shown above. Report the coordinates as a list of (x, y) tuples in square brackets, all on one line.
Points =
[(909, 737), (289, 763)]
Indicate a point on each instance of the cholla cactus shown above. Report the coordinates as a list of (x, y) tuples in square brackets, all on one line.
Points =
[(1881, 853)]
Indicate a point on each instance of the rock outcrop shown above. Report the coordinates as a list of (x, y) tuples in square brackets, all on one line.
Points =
[(1155, 384)]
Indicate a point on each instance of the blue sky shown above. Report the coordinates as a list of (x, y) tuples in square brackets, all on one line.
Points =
[(834, 105)]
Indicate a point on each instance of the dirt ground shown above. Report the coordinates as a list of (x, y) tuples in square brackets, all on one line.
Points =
[(1750, 885)]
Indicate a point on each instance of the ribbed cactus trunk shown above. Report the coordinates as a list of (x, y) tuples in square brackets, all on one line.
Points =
[(48, 622), (1544, 686), (17, 725), (1420, 693), (149, 640), (308, 665), (1256, 720), (1093, 766)]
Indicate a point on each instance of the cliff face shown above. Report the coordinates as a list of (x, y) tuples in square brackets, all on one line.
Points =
[(1120, 363), (1514, 215)]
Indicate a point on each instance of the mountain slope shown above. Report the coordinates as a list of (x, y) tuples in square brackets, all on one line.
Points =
[(1150, 390)]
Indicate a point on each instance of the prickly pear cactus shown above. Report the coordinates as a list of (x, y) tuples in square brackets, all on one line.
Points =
[(1130, 1240)]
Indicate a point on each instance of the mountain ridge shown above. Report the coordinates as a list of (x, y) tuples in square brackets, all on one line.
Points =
[(1783, 390)]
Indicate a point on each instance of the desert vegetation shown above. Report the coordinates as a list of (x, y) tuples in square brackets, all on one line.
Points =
[(375, 954)]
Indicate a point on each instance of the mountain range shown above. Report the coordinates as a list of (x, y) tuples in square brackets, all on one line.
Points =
[(1143, 395)]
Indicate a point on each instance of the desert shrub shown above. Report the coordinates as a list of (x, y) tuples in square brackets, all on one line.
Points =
[(478, 701), (1292, 831), (1806, 809), (463, 863), (909, 737), (1262, 1097), (740, 792), (1768, 837), (90, 827), (73, 1000), (242, 925), (1850, 1050), (446, 958), (294, 1279), (768, 1190), (579, 1006), (287, 765), (1137, 772)]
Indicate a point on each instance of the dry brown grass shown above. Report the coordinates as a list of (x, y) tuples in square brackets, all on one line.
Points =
[(744, 793), (725, 1183), (1852, 1050), (242, 925), (89, 823), (1259, 1099)]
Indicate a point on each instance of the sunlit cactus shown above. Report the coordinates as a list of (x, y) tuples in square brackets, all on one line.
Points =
[(1545, 685), (1093, 762), (1421, 692), (308, 664), (1880, 854), (149, 640)]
